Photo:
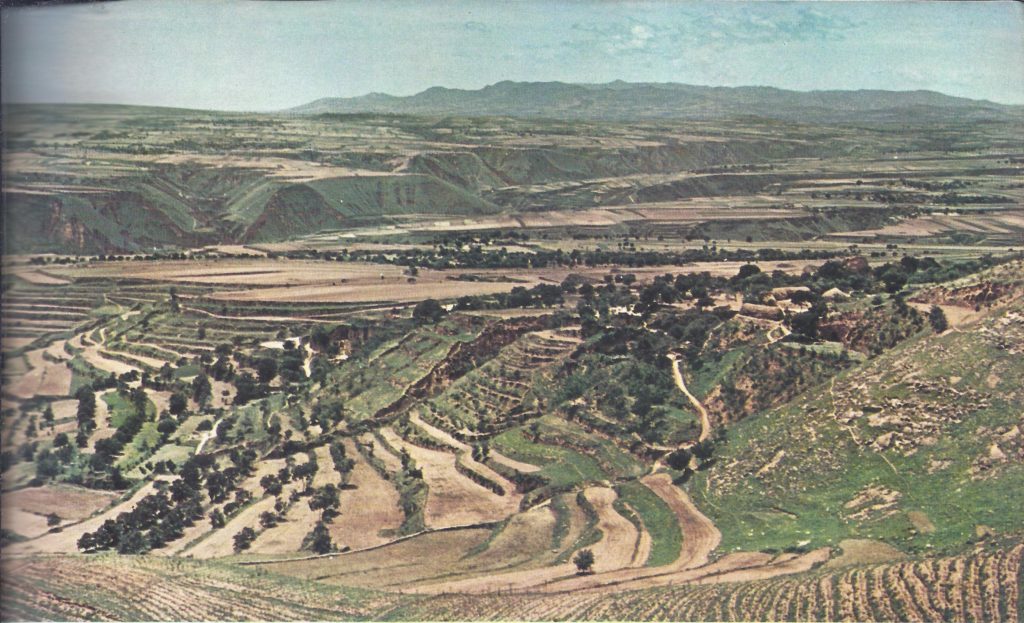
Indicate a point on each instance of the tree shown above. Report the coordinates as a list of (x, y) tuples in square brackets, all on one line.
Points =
[(86, 408), (177, 403), (428, 310), (319, 539), (246, 388), (320, 341), (244, 538), (679, 460), (937, 318), (47, 465), (201, 388), (704, 450), (326, 500), (805, 324), (266, 369), (134, 542), (268, 519), (584, 561), (48, 416), (217, 519), (894, 279), (271, 484), (166, 426), (747, 270), (53, 519)]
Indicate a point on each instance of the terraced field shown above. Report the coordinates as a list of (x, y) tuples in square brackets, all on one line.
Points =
[(415, 369), (982, 585)]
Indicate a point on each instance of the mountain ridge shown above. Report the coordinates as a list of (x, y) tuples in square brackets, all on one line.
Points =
[(648, 100)]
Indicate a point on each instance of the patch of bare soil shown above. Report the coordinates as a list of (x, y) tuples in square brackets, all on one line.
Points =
[(44, 378), (368, 506), (392, 567), (615, 550), (700, 538), (864, 551), (66, 541), (453, 499), (466, 455)]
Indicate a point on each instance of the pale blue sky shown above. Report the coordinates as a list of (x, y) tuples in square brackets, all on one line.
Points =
[(245, 55)]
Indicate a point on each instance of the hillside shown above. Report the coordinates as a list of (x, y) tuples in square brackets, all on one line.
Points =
[(305, 436), (623, 100), (115, 179), (186, 590)]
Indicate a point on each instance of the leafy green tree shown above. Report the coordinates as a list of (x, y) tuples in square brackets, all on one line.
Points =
[(894, 279), (202, 389), (271, 484), (217, 519), (584, 561), (177, 403), (427, 311), (319, 539), (937, 318), (805, 325), (747, 270), (86, 413), (679, 459), (47, 465), (326, 500), (246, 388), (266, 369), (268, 519), (133, 542), (244, 538)]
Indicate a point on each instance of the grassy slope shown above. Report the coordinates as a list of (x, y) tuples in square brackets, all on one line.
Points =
[(803, 498)]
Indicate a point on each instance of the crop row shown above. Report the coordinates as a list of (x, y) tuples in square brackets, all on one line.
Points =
[(980, 586)]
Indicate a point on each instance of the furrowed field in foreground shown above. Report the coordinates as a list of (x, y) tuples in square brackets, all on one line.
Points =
[(385, 366)]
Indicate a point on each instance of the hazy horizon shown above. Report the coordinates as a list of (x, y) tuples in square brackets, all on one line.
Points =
[(266, 56)]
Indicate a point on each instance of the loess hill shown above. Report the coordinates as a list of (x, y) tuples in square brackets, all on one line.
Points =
[(112, 179), (375, 366)]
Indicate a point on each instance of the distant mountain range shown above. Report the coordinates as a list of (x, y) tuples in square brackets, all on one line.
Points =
[(626, 100)]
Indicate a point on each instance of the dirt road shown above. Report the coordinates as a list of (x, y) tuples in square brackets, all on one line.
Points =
[(705, 423)]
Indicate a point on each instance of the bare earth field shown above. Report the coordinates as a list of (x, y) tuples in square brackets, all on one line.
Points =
[(325, 282), (453, 499), (66, 540)]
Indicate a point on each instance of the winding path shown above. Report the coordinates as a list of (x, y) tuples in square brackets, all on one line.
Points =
[(208, 435), (705, 422)]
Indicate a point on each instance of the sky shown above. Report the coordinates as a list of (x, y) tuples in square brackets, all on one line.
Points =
[(268, 55)]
